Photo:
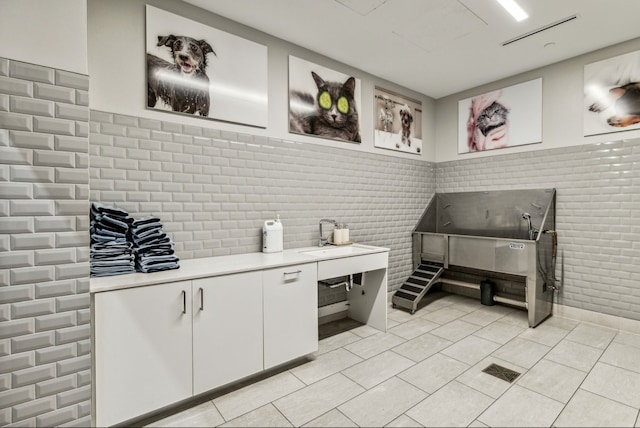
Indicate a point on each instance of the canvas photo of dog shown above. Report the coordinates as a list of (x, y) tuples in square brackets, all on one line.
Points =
[(398, 122), (406, 119), (198, 71), (182, 83), (612, 94)]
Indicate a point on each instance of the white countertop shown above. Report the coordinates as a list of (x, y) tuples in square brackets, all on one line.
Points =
[(224, 265)]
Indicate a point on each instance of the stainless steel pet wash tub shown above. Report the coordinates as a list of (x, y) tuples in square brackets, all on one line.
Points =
[(505, 241)]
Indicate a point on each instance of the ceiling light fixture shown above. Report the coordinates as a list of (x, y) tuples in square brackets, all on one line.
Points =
[(514, 9)]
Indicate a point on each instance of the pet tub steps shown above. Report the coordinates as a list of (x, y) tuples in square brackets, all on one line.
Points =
[(416, 286)]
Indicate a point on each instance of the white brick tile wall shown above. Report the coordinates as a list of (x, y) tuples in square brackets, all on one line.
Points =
[(54, 93), (43, 228), (596, 215), (213, 190), (11, 86)]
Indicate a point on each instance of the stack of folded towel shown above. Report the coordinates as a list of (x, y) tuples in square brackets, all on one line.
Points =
[(111, 252), (152, 247)]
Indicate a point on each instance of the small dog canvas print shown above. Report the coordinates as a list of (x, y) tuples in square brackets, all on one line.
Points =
[(182, 84), (398, 122), (406, 118)]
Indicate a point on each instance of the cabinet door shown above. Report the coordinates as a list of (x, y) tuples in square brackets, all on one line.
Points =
[(290, 313), (142, 340), (227, 329)]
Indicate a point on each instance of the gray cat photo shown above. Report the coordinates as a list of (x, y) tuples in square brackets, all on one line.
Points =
[(323, 102)]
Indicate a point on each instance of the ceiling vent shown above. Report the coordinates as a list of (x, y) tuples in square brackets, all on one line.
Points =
[(541, 29)]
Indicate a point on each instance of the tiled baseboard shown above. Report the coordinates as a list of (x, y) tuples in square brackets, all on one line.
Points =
[(604, 320)]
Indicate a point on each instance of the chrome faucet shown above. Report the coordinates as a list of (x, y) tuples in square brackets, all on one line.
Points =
[(323, 241), (533, 232)]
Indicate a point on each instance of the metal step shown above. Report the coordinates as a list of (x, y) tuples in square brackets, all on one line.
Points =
[(416, 286)]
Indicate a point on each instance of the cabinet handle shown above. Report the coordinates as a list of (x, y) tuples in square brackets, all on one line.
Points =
[(295, 272), (201, 299), (184, 301)]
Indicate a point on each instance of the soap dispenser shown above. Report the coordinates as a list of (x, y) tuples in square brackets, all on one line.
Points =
[(272, 236)]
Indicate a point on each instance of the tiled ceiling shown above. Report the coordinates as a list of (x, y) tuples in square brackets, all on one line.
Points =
[(438, 47)]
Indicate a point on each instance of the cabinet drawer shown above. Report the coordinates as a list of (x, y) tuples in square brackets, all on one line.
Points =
[(348, 265), (290, 313)]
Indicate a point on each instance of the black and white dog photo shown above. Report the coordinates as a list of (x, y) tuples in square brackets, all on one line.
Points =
[(406, 118), (182, 84)]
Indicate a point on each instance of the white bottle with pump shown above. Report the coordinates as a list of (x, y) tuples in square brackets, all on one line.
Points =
[(272, 236)]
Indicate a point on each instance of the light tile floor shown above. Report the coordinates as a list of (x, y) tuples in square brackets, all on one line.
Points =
[(427, 371)]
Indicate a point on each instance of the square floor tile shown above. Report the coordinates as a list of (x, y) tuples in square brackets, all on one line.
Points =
[(202, 415), (471, 349), (592, 335), (308, 403), (377, 369), (401, 316), (499, 332), (519, 318), (444, 315), (553, 380), (257, 395), (333, 418), (621, 355), (574, 354), (364, 331), (337, 341), (325, 365), (522, 352), (422, 347), (391, 323), (382, 404), (483, 317), (490, 385), (565, 323), (460, 300), (452, 405), (455, 330), (374, 345), (265, 416), (413, 328), (627, 338), (434, 372), (615, 383), (545, 334), (591, 410), (433, 302), (521, 407), (403, 421)]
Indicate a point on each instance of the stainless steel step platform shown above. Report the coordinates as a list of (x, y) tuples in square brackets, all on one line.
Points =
[(417, 285)]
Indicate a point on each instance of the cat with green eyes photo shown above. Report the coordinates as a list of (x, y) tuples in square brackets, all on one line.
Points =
[(330, 113)]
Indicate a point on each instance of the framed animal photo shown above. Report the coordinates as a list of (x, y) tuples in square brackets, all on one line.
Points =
[(197, 70), (323, 102), (612, 95), (508, 117), (398, 122)]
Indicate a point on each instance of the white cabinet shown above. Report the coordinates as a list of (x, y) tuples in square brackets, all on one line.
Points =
[(142, 350), (227, 329), (290, 313), (157, 345)]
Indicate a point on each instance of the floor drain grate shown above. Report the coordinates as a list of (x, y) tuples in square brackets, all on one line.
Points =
[(501, 372)]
